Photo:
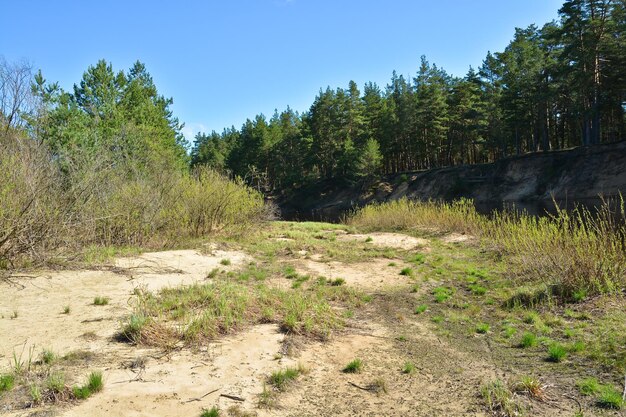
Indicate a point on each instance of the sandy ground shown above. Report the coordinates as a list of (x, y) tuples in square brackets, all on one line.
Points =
[(372, 275), (444, 384), (389, 240)]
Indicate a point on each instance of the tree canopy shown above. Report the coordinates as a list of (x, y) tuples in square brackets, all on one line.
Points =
[(553, 87)]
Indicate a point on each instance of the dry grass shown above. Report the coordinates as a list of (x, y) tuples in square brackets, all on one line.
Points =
[(577, 252), (202, 312), (404, 214)]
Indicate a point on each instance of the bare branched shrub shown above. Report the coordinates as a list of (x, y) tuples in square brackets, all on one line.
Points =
[(30, 200)]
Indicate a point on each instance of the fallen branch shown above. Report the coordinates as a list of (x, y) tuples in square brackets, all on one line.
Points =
[(200, 398), (359, 387), (232, 397)]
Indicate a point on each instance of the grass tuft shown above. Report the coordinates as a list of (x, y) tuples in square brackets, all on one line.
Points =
[(408, 272), (408, 368), (212, 412), (528, 340), (94, 382), (421, 308), (354, 367), (556, 352), (47, 357), (610, 398), (7, 382), (499, 399), (532, 387), (482, 328), (283, 378), (101, 301)]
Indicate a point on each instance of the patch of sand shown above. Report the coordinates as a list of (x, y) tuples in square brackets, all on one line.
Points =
[(390, 240), (170, 386), (157, 270), (456, 238), (374, 275)]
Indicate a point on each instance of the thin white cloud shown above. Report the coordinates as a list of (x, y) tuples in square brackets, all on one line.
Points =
[(191, 130)]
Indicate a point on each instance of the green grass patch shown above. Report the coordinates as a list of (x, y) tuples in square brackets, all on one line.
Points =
[(47, 356), (408, 368), (418, 258), (610, 398), (442, 294), (482, 328), (354, 367), (211, 412), (528, 340), (478, 289), (7, 382), (589, 245), (336, 282), (408, 272), (606, 395), (202, 312), (94, 384), (421, 308), (556, 352), (281, 379), (101, 301)]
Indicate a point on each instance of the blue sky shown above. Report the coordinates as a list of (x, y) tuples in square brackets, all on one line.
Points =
[(224, 61)]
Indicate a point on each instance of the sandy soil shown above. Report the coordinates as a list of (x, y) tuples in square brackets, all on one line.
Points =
[(390, 240), (375, 274), (444, 384)]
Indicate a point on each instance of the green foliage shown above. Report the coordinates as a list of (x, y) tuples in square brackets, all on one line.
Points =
[(56, 382), (48, 356), (407, 272), (589, 386), (421, 308), (482, 328), (212, 412), (353, 367), (606, 395), (94, 384), (442, 294), (227, 305), (107, 166), (528, 340), (131, 331), (408, 368), (610, 398), (283, 378), (478, 289), (556, 352), (7, 382), (35, 393), (418, 258)]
